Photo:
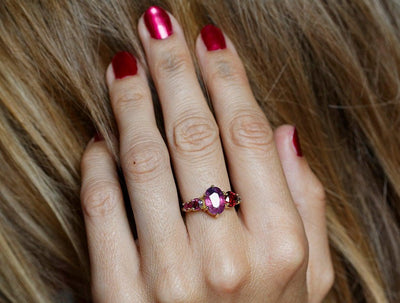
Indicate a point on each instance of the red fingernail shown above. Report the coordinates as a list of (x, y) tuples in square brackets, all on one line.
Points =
[(296, 143), (158, 22), (98, 137), (124, 64), (213, 37)]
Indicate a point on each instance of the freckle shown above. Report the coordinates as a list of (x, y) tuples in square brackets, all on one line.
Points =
[(134, 162)]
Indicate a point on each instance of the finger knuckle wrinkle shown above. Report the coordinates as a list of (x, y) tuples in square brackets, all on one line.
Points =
[(251, 131), (146, 161), (93, 156), (99, 199), (128, 97), (227, 70), (172, 63), (195, 134)]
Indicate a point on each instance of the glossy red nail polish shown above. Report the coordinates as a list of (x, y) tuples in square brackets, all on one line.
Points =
[(296, 143), (213, 37), (158, 22), (124, 64), (98, 137)]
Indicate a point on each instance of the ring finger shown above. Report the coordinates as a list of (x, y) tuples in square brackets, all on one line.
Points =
[(192, 132)]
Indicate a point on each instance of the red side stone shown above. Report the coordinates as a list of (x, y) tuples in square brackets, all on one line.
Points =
[(232, 199), (196, 203), (188, 206)]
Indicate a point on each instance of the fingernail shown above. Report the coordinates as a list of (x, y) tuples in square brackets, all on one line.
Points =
[(158, 22), (98, 137), (296, 143), (213, 37), (124, 64)]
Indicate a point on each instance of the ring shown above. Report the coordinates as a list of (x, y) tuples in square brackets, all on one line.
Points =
[(213, 202)]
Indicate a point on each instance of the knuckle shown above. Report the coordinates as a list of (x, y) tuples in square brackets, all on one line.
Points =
[(128, 97), (317, 190), (251, 131), (327, 280), (173, 286), (195, 135), (229, 276), (145, 161), (290, 256), (225, 68), (93, 156), (312, 190), (172, 62), (99, 198)]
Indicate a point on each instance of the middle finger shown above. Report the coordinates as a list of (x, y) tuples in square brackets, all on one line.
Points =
[(192, 132)]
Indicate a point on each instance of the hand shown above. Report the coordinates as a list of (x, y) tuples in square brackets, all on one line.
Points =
[(273, 249)]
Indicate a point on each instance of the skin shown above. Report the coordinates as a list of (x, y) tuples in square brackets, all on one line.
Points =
[(273, 249)]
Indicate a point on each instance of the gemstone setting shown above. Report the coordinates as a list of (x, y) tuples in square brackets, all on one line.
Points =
[(214, 199), (232, 199)]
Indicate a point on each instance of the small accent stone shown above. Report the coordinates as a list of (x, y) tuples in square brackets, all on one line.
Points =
[(232, 199), (188, 206), (215, 200), (196, 203)]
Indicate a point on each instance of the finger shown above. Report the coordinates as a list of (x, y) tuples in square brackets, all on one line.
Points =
[(145, 161), (193, 140), (254, 167), (112, 251), (309, 197), (191, 129)]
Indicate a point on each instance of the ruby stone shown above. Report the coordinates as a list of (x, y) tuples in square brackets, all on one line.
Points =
[(215, 200), (188, 206), (232, 198), (196, 203)]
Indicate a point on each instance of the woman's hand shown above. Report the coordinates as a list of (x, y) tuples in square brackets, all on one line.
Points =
[(273, 249)]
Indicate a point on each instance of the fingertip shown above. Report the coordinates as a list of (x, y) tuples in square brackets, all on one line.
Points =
[(110, 74), (212, 40), (294, 165), (288, 142), (303, 183), (156, 23)]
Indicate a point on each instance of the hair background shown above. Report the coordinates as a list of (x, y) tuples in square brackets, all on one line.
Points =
[(331, 67)]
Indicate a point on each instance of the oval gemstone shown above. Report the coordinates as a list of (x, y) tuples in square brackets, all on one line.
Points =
[(215, 200)]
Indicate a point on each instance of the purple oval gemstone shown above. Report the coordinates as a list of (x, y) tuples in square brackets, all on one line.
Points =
[(215, 200)]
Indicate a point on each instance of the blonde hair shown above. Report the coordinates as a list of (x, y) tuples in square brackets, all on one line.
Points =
[(329, 67)]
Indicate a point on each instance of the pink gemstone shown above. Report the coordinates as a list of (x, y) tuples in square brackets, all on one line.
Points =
[(215, 200), (188, 206), (232, 198)]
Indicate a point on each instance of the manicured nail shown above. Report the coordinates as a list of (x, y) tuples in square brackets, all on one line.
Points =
[(213, 37), (158, 22), (296, 143), (98, 137), (124, 64)]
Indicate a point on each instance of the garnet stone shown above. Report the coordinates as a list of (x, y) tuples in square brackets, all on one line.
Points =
[(215, 200), (232, 199), (196, 204)]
